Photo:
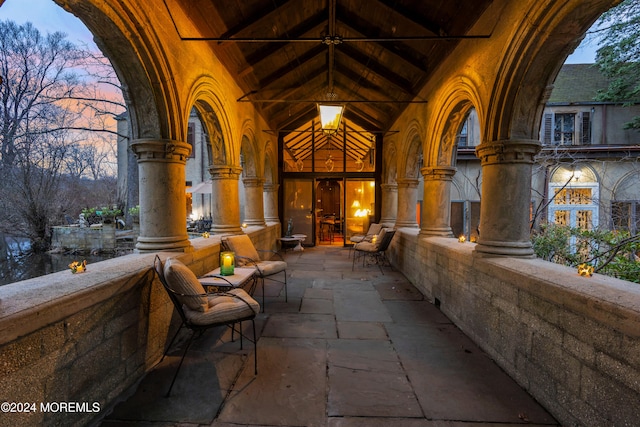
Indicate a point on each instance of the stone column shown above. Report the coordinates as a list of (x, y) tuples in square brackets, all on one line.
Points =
[(389, 206), (506, 197), (407, 200), (270, 200), (436, 205), (225, 200), (163, 203), (254, 202)]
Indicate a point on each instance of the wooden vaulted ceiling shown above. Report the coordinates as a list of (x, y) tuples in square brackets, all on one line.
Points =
[(373, 55)]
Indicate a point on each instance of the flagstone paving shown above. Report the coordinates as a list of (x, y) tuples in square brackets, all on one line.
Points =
[(349, 349)]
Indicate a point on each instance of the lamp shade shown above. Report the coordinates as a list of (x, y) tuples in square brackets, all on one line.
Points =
[(330, 116)]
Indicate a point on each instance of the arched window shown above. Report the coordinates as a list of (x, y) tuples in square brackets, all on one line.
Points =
[(625, 206), (574, 196), (469, 134)]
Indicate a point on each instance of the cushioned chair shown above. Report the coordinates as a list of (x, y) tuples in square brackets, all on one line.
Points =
[(247, 255), (375, 248), (372, 231), (199, 310)]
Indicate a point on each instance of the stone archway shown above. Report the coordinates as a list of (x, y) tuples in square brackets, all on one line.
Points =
[(252, 183), (157, 139), (512, 117), (207, 94), (389, 186), (408, 177), (458, 96), (270, 195)]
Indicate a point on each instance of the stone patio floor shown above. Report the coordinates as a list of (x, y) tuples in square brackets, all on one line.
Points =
[(348, 349)]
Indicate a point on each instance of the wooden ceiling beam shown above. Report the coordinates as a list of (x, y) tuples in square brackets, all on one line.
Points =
[(402, 50), (392, 78), (394, 7), (282, 72), (299, 30), (256, 15)]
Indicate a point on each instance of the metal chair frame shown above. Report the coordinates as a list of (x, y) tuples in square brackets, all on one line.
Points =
[(378, 255), (259, 273), (174, 296)]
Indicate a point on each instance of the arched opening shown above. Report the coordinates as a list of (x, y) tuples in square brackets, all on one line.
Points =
[(574, 193), (198, 180)]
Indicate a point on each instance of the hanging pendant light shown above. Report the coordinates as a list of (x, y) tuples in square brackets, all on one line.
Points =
[(330, 116)]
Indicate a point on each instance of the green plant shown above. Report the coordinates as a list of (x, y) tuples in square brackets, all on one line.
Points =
[(134, 211), (106, 212), (614, 253)]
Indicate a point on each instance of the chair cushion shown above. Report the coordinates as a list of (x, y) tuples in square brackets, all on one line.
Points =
[(357, 238), (370, 246), (183, 281), (225, 308), (366, 247), (267, 268), (374, 229), (242, 246)]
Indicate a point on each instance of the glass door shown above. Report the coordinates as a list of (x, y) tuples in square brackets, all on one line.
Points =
[(298, 208), (360, 209), (329, 211)]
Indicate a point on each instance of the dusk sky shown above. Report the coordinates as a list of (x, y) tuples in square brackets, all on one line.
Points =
[(49, 17)]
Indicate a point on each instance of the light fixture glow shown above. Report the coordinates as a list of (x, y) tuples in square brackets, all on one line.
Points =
[(330, 116)]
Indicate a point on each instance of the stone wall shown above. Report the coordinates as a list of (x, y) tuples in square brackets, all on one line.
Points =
[(84, 238), (87, 338), (572, 342)]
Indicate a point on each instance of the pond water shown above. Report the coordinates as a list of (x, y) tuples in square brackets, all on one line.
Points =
[(21, 264)]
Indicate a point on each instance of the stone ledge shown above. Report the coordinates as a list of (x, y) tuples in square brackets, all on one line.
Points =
[(32, 304), (29, 305)]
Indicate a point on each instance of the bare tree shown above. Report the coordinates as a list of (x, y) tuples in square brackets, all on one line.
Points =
[(51, 109)]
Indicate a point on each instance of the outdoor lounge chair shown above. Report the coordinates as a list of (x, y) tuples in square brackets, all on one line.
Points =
[(247, 255), (375, 249), (200, 311), (374, 229)]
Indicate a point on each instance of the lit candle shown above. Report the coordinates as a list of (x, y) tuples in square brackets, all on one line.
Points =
[(226, 261)]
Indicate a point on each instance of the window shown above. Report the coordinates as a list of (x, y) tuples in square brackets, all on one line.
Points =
[(574, 198), (566, 128), (626, 215), (191, 138), (469, 134), (563, 129)]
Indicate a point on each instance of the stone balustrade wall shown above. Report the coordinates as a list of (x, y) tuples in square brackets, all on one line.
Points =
[(572, 342), (88, 338)]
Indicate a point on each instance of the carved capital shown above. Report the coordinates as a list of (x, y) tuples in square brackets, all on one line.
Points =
[(224, 172), (507, 151), (407, 183), (389, 188), (161, 150), (438, 173), (270, 187), (253, 182)]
